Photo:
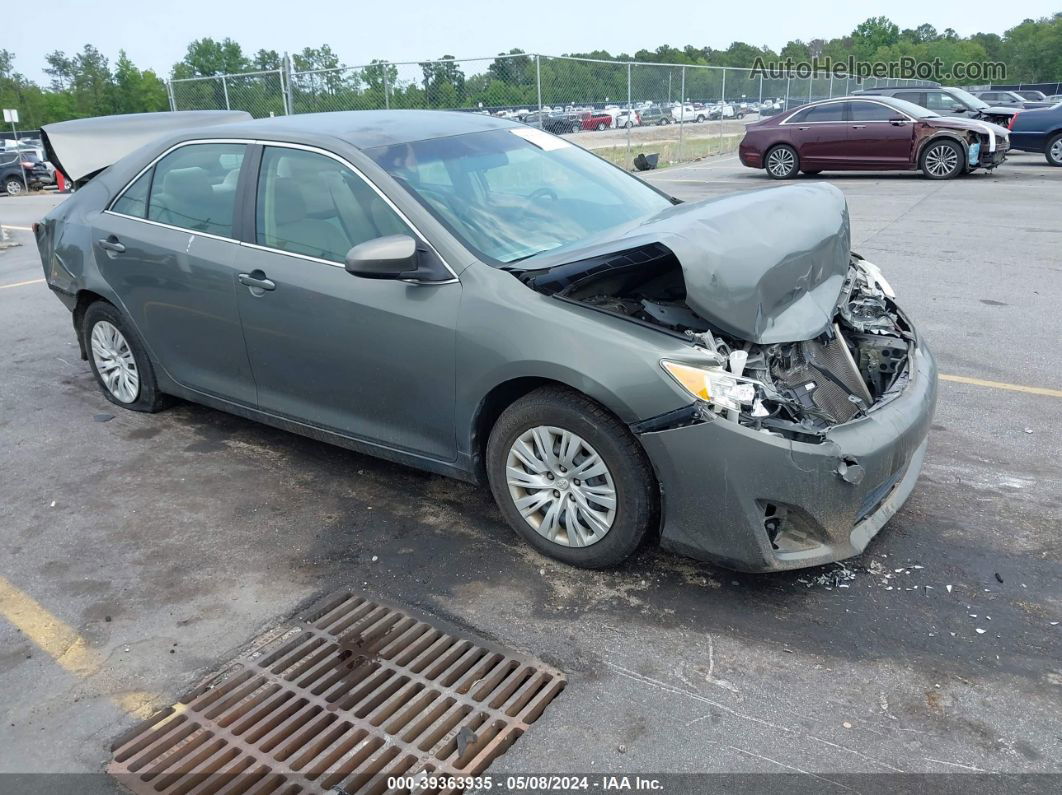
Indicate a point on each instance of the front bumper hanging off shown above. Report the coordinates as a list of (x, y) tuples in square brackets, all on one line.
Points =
[(757, 502)]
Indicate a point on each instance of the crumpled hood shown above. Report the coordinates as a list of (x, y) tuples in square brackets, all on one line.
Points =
[(765, 266)]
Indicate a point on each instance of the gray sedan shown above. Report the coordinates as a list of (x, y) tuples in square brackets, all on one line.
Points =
[(484, 300)]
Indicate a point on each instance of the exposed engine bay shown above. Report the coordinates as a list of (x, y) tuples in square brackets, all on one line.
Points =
[(795, 389)]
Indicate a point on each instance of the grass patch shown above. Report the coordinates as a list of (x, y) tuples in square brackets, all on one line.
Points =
[(669, 151)]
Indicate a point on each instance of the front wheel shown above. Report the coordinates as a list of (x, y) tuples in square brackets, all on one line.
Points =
[(118, 360), (942, 160), (1053, 151), (571, 479), (782, 162), (629, 124)]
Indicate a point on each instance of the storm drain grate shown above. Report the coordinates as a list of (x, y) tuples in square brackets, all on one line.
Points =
[(339, 701)]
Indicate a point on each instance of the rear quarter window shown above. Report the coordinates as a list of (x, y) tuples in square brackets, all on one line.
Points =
[(134, 201)]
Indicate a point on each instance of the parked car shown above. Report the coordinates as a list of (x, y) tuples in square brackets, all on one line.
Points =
[(556, 123), (655, 115), (598, 120), (490, 302), (946, 102), (870, 133), (688, 112), (1039, 130), (20, 171), (1010, 99), (625, 118), (1031, 94)]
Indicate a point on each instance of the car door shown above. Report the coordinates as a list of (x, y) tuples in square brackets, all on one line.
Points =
[(821, 135), (877, 137), (166, 247), (370, 359)]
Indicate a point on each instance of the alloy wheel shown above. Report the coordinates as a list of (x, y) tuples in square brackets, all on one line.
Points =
[(1056, 151), (114, 361), (561, 486), (941, 160), (781, 162), (14, 187)]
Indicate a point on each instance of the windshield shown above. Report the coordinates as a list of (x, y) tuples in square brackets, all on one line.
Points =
[(511, 193), (968, 98)]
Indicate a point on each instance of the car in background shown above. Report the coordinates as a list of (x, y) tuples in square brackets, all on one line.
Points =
[(556, 122), (655, 115), (598, 120), (615, 365), (1031, 94), (688, 112), (625, 118), (944, 101), (20, 171), (1054, 99), (1011, 99), (868, 133), (1039, 130)]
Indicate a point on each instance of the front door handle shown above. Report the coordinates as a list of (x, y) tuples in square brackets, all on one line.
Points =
[(803, 128), (256, 280), (112, 244), (858, 126)]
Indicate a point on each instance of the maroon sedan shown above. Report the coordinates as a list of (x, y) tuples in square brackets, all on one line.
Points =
[(871, 134)]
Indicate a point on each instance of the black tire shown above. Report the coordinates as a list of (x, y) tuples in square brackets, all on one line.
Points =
[(601, 126), (700, 118), (14, 187), (788, 162), (1053, 150), (148, 397), (936, 152), (813, 172), (632, 476), (628, 124)]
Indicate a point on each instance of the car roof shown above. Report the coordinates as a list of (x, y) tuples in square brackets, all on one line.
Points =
[(365, 129)]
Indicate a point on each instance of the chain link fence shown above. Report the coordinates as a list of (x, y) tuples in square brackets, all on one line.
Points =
[(617, 109)]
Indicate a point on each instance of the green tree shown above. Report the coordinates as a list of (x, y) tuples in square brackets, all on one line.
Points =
[(136, 91)]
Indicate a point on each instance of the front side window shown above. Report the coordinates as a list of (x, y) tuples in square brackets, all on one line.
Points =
[(194, 187), (870, 111), (512, 193), (312, 204)]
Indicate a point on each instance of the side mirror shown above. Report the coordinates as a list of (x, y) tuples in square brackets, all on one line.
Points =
[(898, 120), (394, 257)]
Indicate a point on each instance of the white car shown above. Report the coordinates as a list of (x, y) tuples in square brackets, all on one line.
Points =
[(625, 118)]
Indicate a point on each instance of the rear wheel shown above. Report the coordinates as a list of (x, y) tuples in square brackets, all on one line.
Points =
[(570, 478), (601, 126), (700, 118), (118, 360), (782, 162), (14, 186), (1053, 151), (942, 160)]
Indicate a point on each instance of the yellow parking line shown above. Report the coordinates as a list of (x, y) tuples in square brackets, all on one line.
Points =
[(65, 646), (1031, 390), (20, 284)]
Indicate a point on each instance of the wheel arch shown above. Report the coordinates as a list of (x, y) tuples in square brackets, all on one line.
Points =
[(951, 135), (85, 298)]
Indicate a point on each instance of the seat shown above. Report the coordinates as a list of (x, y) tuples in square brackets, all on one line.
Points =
[(187, 200), (297, 232)]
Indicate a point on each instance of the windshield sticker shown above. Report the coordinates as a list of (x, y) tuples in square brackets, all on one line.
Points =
[(543, 140)]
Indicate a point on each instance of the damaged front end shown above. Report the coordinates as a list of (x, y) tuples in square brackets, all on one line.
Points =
[(798, 389)]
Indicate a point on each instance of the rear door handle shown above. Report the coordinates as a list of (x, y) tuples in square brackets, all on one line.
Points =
[(256, 279), (858, 126), (112, 244), (803, 128)]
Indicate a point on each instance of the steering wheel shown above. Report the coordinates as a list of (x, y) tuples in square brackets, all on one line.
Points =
[(542, 193)]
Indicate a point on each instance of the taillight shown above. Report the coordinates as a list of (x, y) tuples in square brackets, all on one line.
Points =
[(1010, 124)]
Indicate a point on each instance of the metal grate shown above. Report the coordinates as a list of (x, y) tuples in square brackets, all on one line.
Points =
[(339, 701)]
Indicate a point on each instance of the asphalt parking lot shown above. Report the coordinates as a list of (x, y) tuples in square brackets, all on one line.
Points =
[(140, 552)]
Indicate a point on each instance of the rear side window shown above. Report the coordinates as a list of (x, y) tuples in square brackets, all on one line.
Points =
[(195, 188), (917, 97), (870, 111), (938, 100), (134, 201), (832, 112)]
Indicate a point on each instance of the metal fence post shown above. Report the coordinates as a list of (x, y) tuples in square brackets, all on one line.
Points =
[(722, 101), (287, 100), (682, 110), (387, 98), (538, 84), (630, 110), (787, 79), (761, 89), (831, 85), (169, 93), (225, 91)]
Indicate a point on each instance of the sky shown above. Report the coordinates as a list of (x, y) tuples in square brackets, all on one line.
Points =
[(156, 35)]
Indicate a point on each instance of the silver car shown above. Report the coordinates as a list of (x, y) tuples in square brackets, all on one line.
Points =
[(484, 300)]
